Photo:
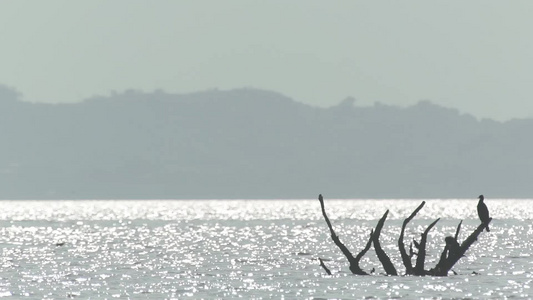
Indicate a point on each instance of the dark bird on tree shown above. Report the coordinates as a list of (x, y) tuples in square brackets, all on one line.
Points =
[(453, 245), (483, 212)]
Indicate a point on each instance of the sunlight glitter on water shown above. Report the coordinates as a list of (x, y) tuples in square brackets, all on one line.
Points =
[(252, 249), (254, 209)]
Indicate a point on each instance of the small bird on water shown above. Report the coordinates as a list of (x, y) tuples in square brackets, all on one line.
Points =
[(483, 212)]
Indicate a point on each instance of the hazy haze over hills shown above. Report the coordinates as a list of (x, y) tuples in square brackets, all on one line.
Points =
[(475, 56), (249, 143)]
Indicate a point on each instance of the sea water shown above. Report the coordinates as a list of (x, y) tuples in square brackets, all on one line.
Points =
[(252, 249)]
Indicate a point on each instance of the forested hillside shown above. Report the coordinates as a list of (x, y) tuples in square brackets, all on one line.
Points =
[(255, 144)]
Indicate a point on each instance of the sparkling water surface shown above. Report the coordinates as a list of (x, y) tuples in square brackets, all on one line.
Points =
[(251, 249)]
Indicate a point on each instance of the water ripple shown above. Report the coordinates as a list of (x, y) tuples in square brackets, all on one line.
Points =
[(250, 249)]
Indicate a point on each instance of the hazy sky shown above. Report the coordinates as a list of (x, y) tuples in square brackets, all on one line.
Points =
[(476, 56)]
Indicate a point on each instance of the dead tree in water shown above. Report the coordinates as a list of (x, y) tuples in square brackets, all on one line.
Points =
[(406, 259), (449, 257), (451, 254), (354, 261)]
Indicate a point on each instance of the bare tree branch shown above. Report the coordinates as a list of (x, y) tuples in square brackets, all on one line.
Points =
[(458, 229), (383, 257), (324, 266), (354, 263), (421, 258), (446, 263), (405, 257)]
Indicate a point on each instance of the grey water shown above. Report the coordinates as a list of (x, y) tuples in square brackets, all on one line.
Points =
[(252, 249)]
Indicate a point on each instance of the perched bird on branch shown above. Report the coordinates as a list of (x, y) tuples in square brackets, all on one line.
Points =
[(453, 245), (483, 212)]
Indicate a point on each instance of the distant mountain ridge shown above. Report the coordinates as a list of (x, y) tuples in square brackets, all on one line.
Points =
[(249, 143)]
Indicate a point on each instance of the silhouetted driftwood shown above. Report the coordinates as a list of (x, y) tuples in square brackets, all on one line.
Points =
[(449, 256), (421, 257), (406, 258), (445, 252), (324, 266), (354, 261), (451, 246), (367, 246), (383, 257), (458, 229)]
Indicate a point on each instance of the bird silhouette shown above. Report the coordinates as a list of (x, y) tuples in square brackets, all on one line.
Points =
[(483, 212), (453, 245)]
